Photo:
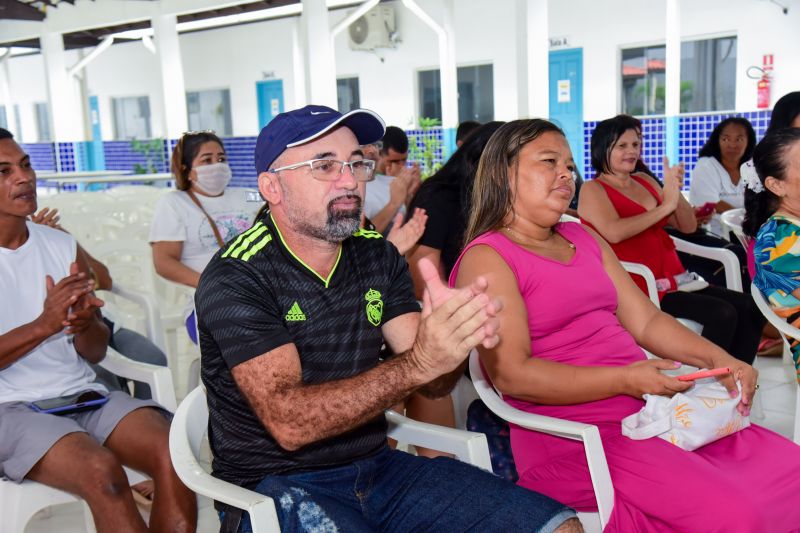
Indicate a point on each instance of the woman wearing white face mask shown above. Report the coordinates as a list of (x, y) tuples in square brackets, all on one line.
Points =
[(192, 223)]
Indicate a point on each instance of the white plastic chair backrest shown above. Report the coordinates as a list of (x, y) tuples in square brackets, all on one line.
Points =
[(785, 329), (732, 219), (649, 278), (197, 418), (186, 437), (86, 227), (72, 202), (141, 192), (787, 332), (129, 261)]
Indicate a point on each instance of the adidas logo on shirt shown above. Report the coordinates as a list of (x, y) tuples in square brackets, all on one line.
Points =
[(295, 314)]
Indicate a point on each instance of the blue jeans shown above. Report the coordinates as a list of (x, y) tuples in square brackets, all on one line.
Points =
[(395, 491)]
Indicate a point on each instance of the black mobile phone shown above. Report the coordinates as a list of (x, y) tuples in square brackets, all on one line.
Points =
[(73, 403)]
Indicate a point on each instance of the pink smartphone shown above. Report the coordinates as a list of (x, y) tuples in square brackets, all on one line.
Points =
[(705, 209), (705, 374)]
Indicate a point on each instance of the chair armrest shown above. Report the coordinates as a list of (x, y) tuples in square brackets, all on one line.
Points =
[(155, 329), (587, 433), (158, 378), (649, 278), (733, 276), (766, 309), (466, 446), (189, 416)]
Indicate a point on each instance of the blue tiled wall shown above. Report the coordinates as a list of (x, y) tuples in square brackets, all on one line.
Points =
[(120, 156), (66, 156), (418, 138), (43, 156), (694, 131), (240, 152)]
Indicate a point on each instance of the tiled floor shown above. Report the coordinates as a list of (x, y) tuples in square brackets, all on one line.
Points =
[(776, 391)]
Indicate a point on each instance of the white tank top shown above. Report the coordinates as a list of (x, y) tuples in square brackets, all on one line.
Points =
[(53, 368)]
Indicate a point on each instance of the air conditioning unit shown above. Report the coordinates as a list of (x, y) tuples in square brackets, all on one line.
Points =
[(376, 29)]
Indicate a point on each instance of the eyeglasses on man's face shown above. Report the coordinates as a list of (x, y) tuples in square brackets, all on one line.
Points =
[(331, 169)]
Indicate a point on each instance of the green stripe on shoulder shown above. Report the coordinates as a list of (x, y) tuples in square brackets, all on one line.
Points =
[(368, 234), (256, 247), (244, 239)]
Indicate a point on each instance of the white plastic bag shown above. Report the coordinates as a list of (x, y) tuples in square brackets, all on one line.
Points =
[(691, 419)]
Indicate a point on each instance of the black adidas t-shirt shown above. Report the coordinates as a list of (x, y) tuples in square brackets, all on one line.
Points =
[(255, 296)]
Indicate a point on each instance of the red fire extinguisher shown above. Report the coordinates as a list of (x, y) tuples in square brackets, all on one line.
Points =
[(763, 92), (764, 83)]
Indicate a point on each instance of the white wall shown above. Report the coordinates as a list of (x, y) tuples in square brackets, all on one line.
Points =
[(237, 57), (760, 27), (28, 87), (126, 69)]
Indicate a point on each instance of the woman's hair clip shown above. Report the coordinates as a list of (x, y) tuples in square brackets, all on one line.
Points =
[(750, 177)]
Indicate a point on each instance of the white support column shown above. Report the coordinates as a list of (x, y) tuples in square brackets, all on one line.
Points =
[(173, 89), (66, 116), (320, 59), (448, 71), (538, 52), (521, 33), (447, 67), (5, 94), (298, 66), (672, 105)]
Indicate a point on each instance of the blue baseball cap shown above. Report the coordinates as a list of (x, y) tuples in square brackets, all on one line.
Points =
[(303, 125)]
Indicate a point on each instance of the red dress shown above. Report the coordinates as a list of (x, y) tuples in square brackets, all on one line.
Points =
[(652, 247)]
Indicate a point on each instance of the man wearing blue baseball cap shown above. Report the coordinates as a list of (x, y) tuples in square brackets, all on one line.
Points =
[(292, 314)]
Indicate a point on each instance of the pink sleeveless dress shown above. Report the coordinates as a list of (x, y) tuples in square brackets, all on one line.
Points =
[(748, 482)]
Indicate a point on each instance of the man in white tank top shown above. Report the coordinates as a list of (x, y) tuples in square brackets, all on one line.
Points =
[(50, 330)]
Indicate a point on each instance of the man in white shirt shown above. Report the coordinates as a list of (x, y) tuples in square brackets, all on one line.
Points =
[(50, 330), (394, 184)]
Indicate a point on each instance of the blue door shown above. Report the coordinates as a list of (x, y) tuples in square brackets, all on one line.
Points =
[(269, 95), (566, 98)]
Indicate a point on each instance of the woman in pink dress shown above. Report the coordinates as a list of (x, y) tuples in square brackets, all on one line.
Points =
[(571, 329)]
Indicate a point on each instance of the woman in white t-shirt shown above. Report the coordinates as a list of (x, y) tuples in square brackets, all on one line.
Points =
[(192, 223), (715, 178)]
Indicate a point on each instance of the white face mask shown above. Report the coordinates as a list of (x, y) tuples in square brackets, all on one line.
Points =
[(213, 179)]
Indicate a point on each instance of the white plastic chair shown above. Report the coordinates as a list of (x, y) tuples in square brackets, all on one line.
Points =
[(130, 262), (19, 502), (787, 332), (733, 274), (728, 259), (588, 434), (732, 222), (153, 328), (189, 428)]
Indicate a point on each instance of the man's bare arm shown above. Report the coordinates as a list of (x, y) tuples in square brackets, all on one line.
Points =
[(297, 414), (399, 334), (85, 321), (60, 297)]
